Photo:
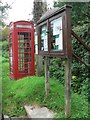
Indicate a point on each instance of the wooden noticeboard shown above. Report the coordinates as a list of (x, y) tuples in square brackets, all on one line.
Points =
[(54, 33), (54, 40)]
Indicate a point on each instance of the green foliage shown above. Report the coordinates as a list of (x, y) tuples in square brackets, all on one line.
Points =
[(5, 49), (4, 60), (4, 52), (5, 32), (80, 70), (30, 90), (80, 73), (3, 12), (85, 89), (79, 11), (56, 69)]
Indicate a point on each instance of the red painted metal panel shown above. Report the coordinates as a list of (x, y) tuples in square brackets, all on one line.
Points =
[(21, 46)]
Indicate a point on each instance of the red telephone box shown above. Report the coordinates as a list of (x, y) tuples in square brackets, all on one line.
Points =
[(21, 49)]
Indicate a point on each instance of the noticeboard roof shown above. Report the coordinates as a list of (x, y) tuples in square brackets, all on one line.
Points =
[(52, 12)]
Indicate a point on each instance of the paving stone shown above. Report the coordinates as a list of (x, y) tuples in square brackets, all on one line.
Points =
[(38, 112)]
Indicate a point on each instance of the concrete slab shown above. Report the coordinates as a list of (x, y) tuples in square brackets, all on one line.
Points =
[(14, 118), (38, 112)]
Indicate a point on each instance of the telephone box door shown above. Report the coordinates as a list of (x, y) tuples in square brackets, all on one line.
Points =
[(25, 53)]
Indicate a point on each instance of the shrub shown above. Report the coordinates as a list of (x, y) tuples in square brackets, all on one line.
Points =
[(5, 49), (79, 82)]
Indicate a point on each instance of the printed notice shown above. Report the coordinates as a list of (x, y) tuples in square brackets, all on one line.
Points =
[(44, 38), (57, 33), (57, 26)]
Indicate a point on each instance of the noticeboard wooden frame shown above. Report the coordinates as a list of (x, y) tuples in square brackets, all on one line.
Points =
[(46, 19)]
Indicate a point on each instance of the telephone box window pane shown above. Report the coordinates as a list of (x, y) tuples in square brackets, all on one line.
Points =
[(24, 49), (44, 41), (56, 35)]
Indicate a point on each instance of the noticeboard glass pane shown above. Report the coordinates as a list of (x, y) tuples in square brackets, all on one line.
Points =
[(56, 34), (44, 40)]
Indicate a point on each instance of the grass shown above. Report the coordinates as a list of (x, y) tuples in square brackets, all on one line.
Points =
[(30, 90)]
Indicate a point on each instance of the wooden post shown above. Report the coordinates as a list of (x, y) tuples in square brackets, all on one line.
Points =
[(67, 87), (39, 59), (39, 65), (47, 86)]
